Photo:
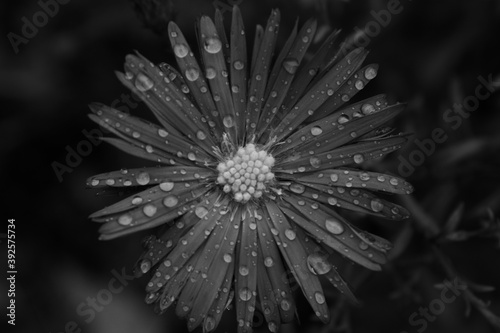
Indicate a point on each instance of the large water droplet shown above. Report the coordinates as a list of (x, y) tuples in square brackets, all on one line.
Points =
[(334, 226), (359, 84), (212, 45), (181, 50), (143, 83), (297, 188), (316, 130), (318, 264), (376, 205), (315, 162), (142, 178), (145, 266), (370, 73), (136, 200), (367, 109), (201, 135), (170, 201), (125, 219), (208, 324), (268, 262), (290, 234), (149, 210), (358, 158), (243, 270), (245, 294), (210, 73), (201, 211), (227, 258), (228, 121), (166, 186), (290, 65), (320, 298), (192, 74), (238, 65)]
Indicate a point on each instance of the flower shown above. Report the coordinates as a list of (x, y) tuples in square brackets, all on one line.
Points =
[(257, 160)]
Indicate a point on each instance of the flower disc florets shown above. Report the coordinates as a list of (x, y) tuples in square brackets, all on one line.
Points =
[(246, 172)]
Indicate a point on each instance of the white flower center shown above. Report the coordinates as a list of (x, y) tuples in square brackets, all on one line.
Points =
[(246, 173)]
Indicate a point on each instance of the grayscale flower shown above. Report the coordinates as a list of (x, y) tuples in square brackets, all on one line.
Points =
[(258, 159)]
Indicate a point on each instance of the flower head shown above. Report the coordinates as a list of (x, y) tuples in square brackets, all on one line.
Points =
[(257, 160)]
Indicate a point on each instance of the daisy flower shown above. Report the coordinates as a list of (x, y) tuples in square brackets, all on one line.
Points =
[(258, 158)]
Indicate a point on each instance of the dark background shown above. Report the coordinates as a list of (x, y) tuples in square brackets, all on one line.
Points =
[(430, 55)]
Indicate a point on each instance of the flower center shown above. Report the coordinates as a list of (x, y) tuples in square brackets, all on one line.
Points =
[(246, 173)]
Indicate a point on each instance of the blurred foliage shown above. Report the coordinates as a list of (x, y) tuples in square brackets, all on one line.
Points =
[(430, 55)]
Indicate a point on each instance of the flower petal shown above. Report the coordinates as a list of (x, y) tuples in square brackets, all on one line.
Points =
[(286, 69), (296, 258), (245, 284), (346, 91), (318, 94), (238, 70), (331, 229), (194, 78), (152, 137), (282, 299), (330, 135), (358, 179), (260, 72), (355, 153), (216, 73), (224, 297)]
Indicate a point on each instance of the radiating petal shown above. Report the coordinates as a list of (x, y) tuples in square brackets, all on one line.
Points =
[(296, 258)]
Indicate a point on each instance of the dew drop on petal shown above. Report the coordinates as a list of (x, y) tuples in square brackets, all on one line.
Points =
[(212, 45), (243, 270), (334, 226), (297, 188), (192, 74), (376, 205), (238, 65), (268, 262), (166, 186), (315, 162), (228, 121), (290, 65), (125, 219), (320, 298), (149, 210), (245, 294), (201, 135), (210, 73), (370, 73), (364, 176), (290, 234), (227, 258), (143, 82), (332, 201), (358, 158), (170, 201), (316, 130), (318, 264), (367, 109), (334, 177), (142, 178), (359, 84), (162, 133), (393, 181), (201, 211), (208, 324), (181, 50), (136, 200)]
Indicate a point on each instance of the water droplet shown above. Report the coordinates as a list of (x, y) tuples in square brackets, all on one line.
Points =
[(290, 65), (272, 326), (320, 298), (181, 50), (364, 176), (363, 246), (227, 258), (316, 130), (334, 177), (143, 83), (235, 89), (343, 119), (393, 181), (201, 211), (192, 74), (376, 205), (201, 135), (290, 234), (358, 158), (166, 186), (125, 219), (367, 109), (285, 305), (243, 270), (208, 324), (359, 84), (345, 97), (136, 200), (332, 201), (334, 226), (228, 121), (315, 162), (145, 266), (162, 132), (212, 45), (142, 178), (245, 294), (318, 264), (329, 92), (370, 73), (297, 188), (268, 262), (149, 210), (170, 201), (210, 73), (238, 65)]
